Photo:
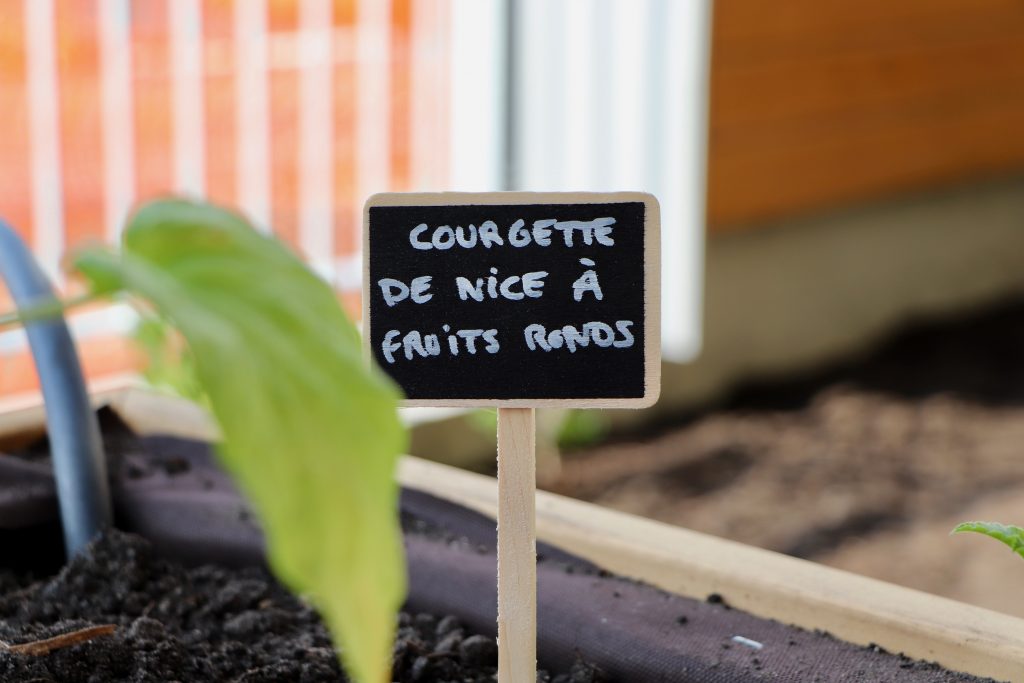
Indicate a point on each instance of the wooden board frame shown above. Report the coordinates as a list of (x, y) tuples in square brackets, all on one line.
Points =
[(652, 285), (767, 584)]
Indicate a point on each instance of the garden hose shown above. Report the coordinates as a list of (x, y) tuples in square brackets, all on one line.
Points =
[(78, 463)]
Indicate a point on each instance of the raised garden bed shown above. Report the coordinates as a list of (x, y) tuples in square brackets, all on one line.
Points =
[(168, 491)]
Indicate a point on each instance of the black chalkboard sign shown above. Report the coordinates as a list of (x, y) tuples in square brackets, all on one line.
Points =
[(515, 299)]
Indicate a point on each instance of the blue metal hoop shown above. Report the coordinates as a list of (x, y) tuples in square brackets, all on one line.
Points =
[(77, 450)]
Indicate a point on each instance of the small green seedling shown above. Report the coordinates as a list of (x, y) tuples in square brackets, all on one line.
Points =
[(1012, 536), (311, 431)]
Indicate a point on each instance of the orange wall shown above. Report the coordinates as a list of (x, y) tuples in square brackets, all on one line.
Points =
[(80, 130), (815, 104), (823, 103)]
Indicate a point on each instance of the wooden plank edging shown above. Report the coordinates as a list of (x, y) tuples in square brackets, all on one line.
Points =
[(765, 583)]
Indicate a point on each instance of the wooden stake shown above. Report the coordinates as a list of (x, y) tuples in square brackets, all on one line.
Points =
[(517, 546)]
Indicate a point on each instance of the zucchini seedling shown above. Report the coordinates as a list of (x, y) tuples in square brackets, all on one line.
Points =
[(310, 430), (1012, 536)]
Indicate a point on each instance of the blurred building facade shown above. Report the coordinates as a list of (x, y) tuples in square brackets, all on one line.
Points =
[(861, 162)]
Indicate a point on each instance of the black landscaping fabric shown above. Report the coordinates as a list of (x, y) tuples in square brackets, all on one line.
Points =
[(170, 491)]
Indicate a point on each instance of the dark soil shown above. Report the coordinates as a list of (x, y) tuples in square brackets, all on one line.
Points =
[(177, 624), (207, 624)]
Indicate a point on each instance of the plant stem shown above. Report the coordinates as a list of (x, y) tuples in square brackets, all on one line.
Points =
[(45, 311), (42, 647)]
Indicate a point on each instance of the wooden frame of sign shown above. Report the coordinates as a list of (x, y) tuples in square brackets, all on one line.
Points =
[(515, 300), (645, 254)]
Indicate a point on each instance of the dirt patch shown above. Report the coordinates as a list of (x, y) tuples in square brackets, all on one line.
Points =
[(206, 624), (865, 465), (119, 613)]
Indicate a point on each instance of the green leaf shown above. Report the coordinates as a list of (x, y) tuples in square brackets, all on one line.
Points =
[(48, 310), (1011, 535), (312, 436), (581, 428), (104, 273), (169, 363)]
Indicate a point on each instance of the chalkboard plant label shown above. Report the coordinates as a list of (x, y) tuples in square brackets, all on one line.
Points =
[(515, 299)]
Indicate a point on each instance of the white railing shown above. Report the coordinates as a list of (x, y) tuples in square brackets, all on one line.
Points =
[(593, 95), (44, 134), (588, 95)]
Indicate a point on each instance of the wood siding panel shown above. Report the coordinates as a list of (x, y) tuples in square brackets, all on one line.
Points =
[(817, 104)]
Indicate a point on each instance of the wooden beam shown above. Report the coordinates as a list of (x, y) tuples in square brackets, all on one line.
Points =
[(517, 546), (817, 105)]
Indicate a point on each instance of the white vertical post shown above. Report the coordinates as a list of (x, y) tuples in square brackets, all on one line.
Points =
[(252, 112), (627, 94), (316, 136), (427, 119), (117, 117), (579, 108), (683, 174), (185, 22), (373, 114), (539, 54), (603, 35), (476, 135), (612, 95), (44, 135)]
